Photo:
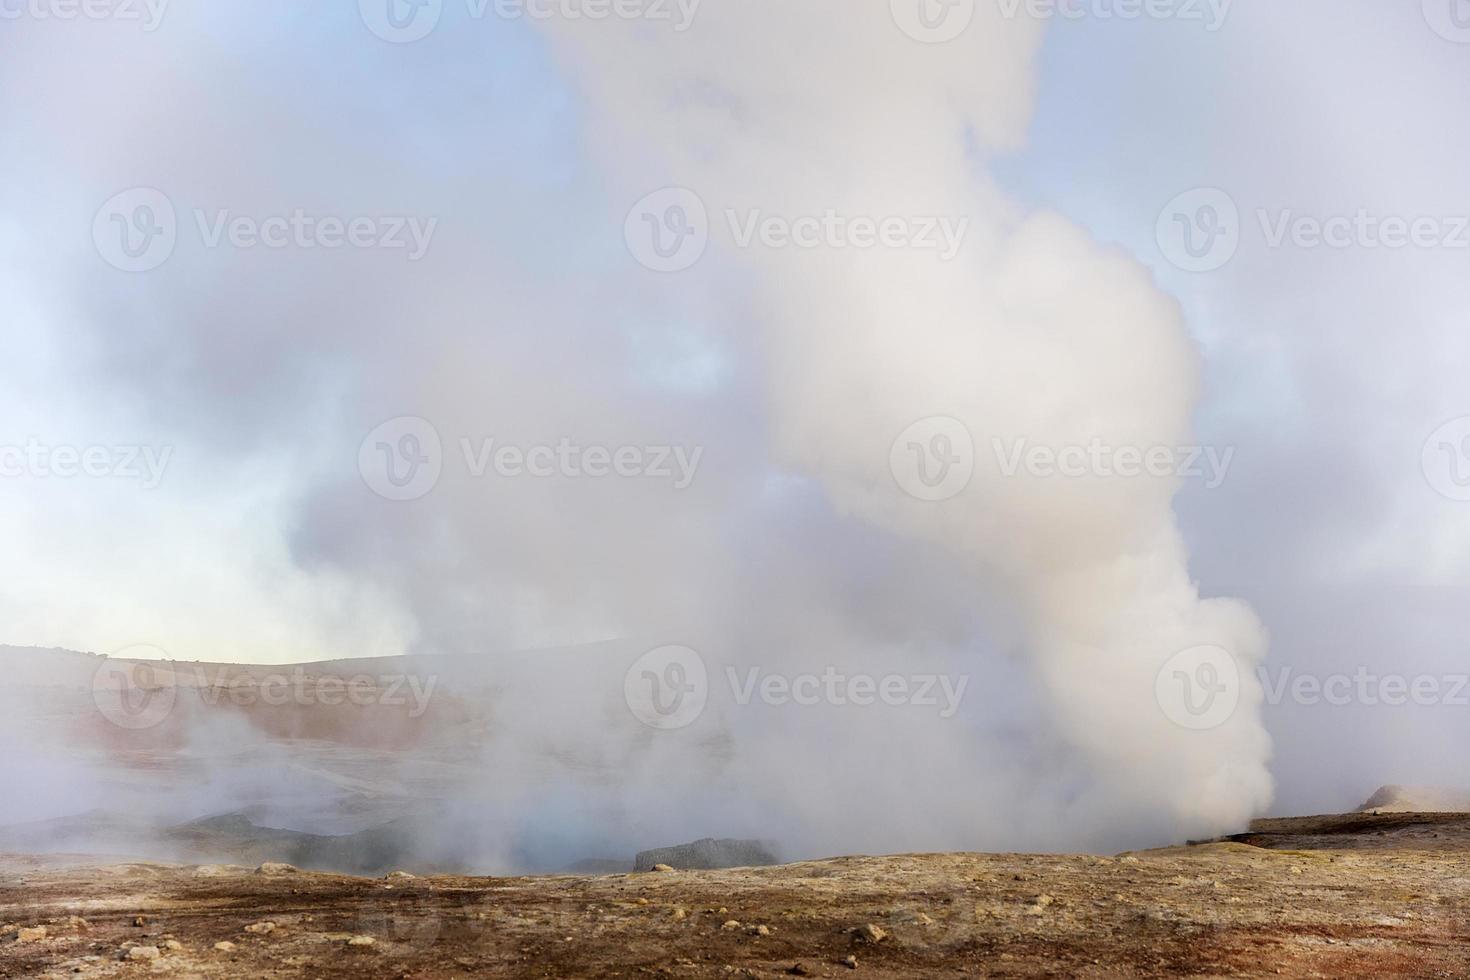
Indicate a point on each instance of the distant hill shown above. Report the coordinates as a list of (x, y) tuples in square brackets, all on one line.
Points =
[(1417, 799)]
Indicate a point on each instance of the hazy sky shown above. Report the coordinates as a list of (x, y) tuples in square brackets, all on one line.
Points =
[(230, 391)]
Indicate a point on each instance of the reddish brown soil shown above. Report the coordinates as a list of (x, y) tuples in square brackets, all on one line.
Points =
[(1357, 896)]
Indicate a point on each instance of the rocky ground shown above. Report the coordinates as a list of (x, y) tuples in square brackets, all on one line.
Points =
[(1352, 896)]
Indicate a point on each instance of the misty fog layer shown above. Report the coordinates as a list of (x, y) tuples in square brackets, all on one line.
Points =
[(789, 374)]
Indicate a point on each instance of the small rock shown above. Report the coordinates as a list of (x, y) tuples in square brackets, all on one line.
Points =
[(78, 923), (140, 921), (662, 867), (261, 928), (225, 947), (401, 875), (143, 953), (798, 970), (730, 925), (680, 914), (850, 962), (642, 900), (869, 934), (760, 930), (31, 935), (362, 941), (172, 944)]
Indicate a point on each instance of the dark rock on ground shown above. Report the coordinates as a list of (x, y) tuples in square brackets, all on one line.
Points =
[(709, 854)]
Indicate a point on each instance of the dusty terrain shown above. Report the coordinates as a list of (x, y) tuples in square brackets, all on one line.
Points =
[(110, 832), (1351, 896)]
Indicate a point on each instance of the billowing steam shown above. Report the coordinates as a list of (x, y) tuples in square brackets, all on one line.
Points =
[(1034, 335), (1045, 606)]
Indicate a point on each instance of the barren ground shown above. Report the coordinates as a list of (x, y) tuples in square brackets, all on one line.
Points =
[(1356, 895)]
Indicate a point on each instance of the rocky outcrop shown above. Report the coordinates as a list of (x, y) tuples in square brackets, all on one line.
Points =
[(1417, 799), (709, 854)]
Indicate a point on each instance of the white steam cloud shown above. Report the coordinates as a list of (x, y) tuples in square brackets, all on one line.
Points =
[(794, 370), (1035, 334)]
